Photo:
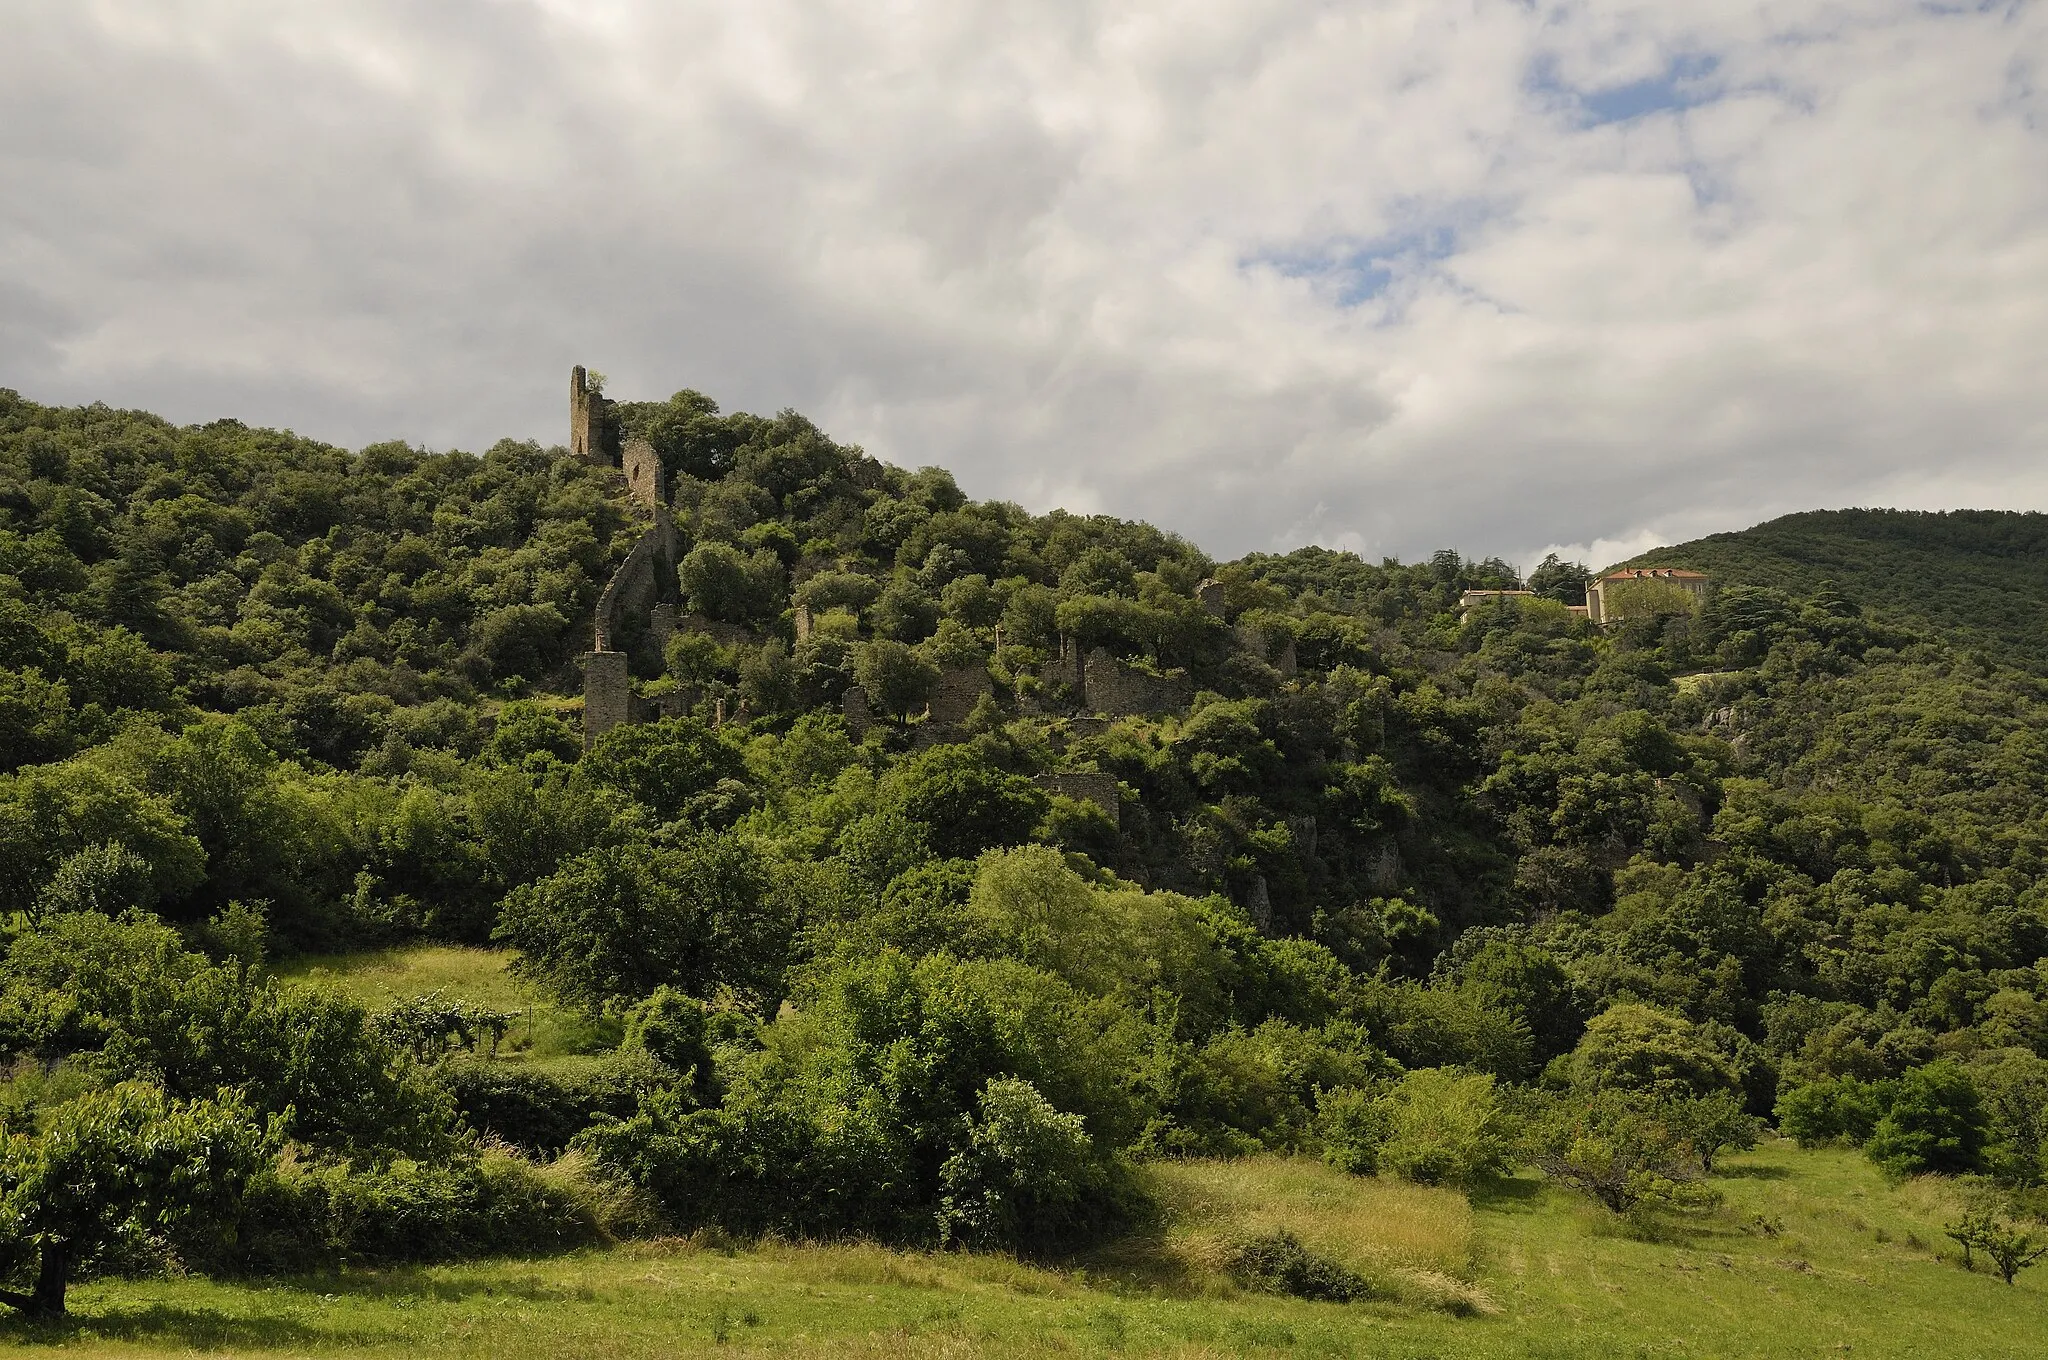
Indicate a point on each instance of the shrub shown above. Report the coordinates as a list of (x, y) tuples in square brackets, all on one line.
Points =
[(1444, 1127), (1832, 1108), (1277, 1263), (1616, 1149), (1353, 1124), (1936, 1123), (303, 1217), (1028, 1178), (539, 1113)]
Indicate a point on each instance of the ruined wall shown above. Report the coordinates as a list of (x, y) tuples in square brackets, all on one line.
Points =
[(607, 694), (646, 578), (859, 718), (589, 421), (1114, 688), (645, 477), (954, 696), (1086, 787), (1210, 596)]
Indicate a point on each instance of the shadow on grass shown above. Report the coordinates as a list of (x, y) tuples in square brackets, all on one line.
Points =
[(1740, 1172), (1507, 1194), (200, 1329), (414, 1283)]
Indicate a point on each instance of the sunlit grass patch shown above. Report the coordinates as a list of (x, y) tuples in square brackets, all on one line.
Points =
[(1412, 1243), (382, 978)]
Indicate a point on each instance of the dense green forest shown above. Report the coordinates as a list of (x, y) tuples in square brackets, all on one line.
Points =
[(1975, 577), (1421, 893)]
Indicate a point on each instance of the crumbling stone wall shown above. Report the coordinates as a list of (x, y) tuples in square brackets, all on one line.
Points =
[(607, 694), (1114, 688), (1087, 787), (590, 423), (954, 696), (1210, 595), (859, 717), (646, 479), (646, 578)]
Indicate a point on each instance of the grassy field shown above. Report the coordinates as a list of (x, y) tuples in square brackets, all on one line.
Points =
[(379, 978), (1814, 1255)]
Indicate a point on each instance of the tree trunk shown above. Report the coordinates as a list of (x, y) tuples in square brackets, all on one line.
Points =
[(51, 1278)]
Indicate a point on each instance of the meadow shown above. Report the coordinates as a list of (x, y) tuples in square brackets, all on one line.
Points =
[(1812, 1254)]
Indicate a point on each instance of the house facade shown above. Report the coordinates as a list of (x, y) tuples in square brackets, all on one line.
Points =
[(1602, 606)]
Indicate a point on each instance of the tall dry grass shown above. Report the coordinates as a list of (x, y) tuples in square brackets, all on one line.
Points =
[(1413, 1243)]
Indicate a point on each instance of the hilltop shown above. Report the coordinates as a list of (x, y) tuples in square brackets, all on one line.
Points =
[(704, 831), (1979, 577)]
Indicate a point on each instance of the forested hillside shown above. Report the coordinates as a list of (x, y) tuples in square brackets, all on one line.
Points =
[(1977, 577), (1422, 894)]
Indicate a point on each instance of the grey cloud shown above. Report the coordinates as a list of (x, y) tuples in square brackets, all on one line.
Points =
[(1048, 246)]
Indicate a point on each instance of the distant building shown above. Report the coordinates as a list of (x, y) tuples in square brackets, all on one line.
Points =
[(1472, 597), (1478, 597), (1601, 610)]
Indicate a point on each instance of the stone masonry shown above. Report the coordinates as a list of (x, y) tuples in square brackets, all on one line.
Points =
[(645, 477), (1119, 690), (607, 694), (589, 421), (954, 696), (643, 589)]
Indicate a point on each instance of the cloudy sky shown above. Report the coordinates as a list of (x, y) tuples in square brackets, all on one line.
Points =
[(1387, 275)]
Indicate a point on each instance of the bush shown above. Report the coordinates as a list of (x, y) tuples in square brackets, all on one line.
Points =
[(302, 1217), (1832, 1109), (1353, 1125), (1277, 1263), (539, 1113), (1616, 1149), (1029, 1178), (1444, 1127), (1936, 1123)]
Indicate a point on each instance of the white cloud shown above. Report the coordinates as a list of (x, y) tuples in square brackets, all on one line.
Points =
[(1387, 276)]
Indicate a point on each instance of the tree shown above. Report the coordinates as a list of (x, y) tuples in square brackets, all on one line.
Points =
[(1644, 1051), (894, 675), (1709, 1123), (119, 1166), (663, 765), (1936, 1123), (1557, 579), (967, 804), (618, 922)]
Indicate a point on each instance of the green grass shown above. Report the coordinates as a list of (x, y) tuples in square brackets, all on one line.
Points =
[(544, 1033), (1813, 1255)]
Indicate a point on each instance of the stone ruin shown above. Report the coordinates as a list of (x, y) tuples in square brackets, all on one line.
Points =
[(643, 590), (591, 433), (1100, 683)]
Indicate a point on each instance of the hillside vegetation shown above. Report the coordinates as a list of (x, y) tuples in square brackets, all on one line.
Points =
[(1978, 577), (331, 949)]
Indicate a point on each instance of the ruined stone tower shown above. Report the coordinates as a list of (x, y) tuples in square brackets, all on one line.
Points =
[(590, 435)]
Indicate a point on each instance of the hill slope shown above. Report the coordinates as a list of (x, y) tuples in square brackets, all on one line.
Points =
[(1977, 576)]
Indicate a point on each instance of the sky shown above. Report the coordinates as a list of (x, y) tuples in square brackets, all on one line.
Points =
[(1386, 275)]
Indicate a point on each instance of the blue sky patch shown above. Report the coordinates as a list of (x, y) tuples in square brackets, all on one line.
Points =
[(1685, 81), (1355, 272)]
